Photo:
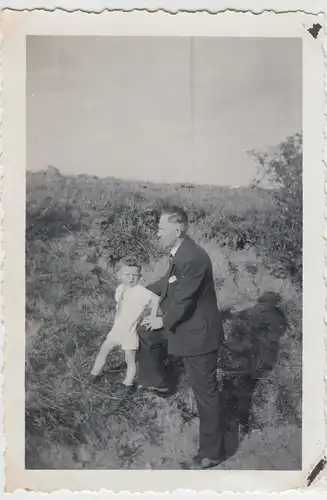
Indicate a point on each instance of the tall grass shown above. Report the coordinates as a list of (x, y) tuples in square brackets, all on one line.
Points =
[(77, 230)]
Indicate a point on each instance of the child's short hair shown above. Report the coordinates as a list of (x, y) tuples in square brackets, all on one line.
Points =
[(130, 261)]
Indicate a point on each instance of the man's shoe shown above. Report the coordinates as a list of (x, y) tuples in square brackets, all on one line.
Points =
[(197, 459), (151, 388), (208, 463), (162, 392)]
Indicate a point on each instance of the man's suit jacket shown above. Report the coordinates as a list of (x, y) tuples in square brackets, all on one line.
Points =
[(191, 317)]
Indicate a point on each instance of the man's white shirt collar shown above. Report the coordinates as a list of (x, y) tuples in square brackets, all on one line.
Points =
[(175, 248)]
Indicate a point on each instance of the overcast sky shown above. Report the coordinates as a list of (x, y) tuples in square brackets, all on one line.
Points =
[(161, 109)]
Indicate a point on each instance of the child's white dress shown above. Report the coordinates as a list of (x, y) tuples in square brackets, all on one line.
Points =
[(132, 303)]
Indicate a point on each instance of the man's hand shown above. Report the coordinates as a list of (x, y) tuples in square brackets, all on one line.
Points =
[(152, 323)]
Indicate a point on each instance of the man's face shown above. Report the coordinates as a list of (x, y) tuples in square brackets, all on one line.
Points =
[(168, 232)]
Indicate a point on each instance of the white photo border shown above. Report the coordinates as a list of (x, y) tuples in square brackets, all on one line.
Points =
[(15, 26)]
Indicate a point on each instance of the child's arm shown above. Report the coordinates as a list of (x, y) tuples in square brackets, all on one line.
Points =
[(118, 297), (154, 305)]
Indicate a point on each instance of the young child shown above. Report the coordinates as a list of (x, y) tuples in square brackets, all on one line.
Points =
[(133, 302)]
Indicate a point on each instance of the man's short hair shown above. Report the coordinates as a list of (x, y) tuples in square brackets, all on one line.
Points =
[(176, 215)]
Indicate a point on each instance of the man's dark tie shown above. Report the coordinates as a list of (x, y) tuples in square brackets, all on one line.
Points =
[(171, 261)]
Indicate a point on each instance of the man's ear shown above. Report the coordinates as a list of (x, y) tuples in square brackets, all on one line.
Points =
[(181, 231)]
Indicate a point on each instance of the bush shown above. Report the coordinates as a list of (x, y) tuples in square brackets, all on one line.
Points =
[(282, 237)]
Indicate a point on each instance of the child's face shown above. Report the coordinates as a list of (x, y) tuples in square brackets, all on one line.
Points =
[(129, 275)]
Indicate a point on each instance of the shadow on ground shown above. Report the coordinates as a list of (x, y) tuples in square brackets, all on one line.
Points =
[(249, 354)]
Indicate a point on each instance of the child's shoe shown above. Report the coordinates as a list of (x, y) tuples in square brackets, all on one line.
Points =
[(125, 391), (93, 379)]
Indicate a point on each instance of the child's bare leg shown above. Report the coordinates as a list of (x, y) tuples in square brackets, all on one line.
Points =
[(131, 368), (100, 360)]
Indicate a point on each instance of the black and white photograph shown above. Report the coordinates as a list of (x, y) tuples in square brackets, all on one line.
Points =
[(164, 262), (163, 253)]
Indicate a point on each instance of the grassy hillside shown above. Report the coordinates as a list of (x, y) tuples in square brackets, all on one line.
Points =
[(77, 229)]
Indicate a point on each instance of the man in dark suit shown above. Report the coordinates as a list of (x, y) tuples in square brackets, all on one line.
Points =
[(192, 327)]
